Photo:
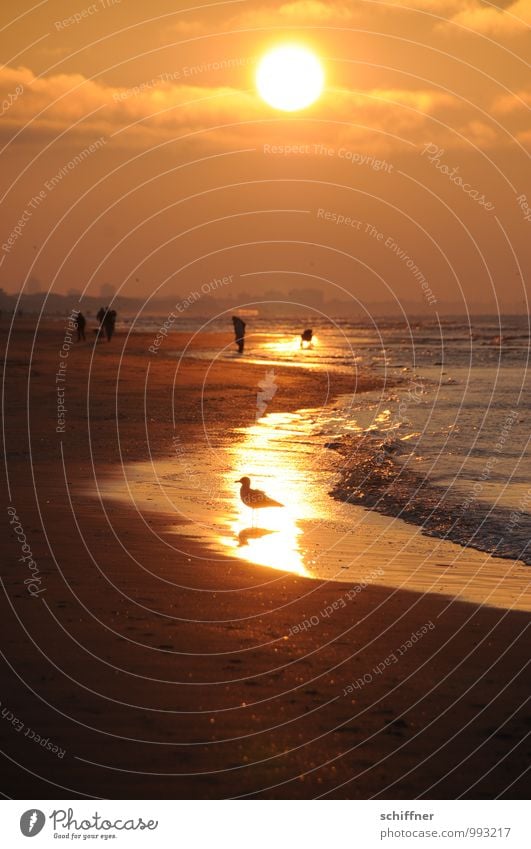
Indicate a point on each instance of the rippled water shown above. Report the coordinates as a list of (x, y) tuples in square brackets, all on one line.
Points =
[(446, 449), (314, 535), (456, 429)]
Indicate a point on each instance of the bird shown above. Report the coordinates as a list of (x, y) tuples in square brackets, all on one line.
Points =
[(252, 533), (255, 498)]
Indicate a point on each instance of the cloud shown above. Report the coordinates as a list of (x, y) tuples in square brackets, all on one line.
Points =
[(520, 102), (164, 108), (488, 19), (442, 17), (55, 103), (439, 7), (397, 118), (187, 28), (480, 16), (524, 137), (313, 11), (296, 13), (396, 111), (480, 133)]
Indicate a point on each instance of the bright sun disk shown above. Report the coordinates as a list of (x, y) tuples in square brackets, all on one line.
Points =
[(290, 78)]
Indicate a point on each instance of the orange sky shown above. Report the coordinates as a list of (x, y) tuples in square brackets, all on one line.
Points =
[(156, 166)]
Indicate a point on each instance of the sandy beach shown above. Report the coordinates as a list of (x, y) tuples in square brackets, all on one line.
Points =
[(160, 661)]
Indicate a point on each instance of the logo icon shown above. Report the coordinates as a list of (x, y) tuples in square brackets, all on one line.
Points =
[(32, 822)]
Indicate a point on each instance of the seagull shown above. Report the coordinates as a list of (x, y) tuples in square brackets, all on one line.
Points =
[(255, 498)]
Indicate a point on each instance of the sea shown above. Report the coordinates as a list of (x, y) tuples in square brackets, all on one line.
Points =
[(441, 453)]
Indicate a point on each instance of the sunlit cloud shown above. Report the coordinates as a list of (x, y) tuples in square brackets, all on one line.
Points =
[(514, 18), (56, 102), (520, 102), (161, 109), (188, 27), (470, 13), (297, 13), (313, 11)]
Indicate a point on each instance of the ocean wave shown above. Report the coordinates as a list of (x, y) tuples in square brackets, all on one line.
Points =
[(372, 477)]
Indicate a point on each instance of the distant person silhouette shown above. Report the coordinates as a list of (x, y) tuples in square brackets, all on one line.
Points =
[(81, 322), (109, 320), (239, 332)]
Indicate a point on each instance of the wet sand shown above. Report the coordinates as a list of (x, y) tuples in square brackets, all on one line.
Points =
[(316, 535), (165, 668)]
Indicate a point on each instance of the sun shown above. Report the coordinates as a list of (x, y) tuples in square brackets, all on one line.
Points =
[(290, 78)]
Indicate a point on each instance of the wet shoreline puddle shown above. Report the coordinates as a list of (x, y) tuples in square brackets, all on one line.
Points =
[(314, 535)]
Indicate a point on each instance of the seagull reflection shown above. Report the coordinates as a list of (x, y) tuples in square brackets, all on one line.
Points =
[(252, 533)]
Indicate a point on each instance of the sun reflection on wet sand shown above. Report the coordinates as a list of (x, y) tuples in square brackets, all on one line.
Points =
[(290, 344), (275, 541), (314, 535)]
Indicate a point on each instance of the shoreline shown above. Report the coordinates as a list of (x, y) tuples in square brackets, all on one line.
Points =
[(133, 633), (378, 483), (324, 531)]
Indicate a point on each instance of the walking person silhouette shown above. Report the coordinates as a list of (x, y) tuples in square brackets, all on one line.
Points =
[(239, 332), (81, 322)]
